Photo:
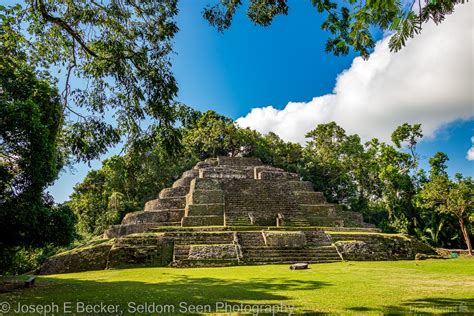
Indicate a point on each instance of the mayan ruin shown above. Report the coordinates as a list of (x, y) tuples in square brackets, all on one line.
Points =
[(236, 211)]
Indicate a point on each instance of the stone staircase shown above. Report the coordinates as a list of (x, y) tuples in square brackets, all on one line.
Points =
[(203, 248), (231, 248), (268, 255), (257, 249)]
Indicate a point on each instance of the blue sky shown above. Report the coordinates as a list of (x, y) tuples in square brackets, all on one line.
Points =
[(251, 67)]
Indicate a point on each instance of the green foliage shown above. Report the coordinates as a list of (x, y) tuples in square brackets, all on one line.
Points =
[(120, 49), (455, 198), (30, 159), (351, 23), (438, 165)]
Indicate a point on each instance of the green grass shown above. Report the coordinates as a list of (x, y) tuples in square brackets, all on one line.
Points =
[(433, 286)]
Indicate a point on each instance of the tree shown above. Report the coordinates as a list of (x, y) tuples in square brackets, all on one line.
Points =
[(119, 49), (438, 164), (408, 135), (330, 157), (30, 159), (351, 23), (216, 135), (455, 198)]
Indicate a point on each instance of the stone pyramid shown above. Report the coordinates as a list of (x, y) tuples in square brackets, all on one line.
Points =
[(236, 192), (234, 211)]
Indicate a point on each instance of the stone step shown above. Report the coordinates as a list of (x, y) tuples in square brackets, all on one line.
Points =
[(246, 239), (163, 217), (293, 256), (367, 237), (204, 209), (288, 261), (295, 223), (351, 229), (122, 230), (201, 237), (205, 164), (205, 197), (326, 221), (173, 192), (224, 173), (277, 175), (183, 182), (181, 251), (258, 251), (300, 186), (205, 184), (323, 209), (166, 203), (202, 241), (208, 220), (189, 263), (231, 222), (238, 161), (308, 197), (190, 174)]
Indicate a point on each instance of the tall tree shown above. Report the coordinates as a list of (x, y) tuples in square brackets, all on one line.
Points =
[(455, 198), (30, 159)]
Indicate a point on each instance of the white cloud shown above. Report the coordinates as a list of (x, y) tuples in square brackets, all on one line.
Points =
[(430, 81), (470, 152)]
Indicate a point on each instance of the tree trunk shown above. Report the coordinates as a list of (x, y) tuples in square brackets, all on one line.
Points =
[(466, 236)]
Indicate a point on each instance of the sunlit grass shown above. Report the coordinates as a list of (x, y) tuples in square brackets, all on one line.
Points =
[(436, 286)]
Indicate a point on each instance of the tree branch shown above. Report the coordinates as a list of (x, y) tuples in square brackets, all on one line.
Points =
[(59, 22)]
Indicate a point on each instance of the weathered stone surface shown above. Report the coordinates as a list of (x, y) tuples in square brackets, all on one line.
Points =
[(173, 192), (141, 251), (89, 257), (206, 184), (183, 182), (212, 252), (131, 251), (150, 217), (308, 197), (299, 266), (222, 173), (277, 175), (239, 161), (166, 203), (208, 220), (374, 247), (205, 197), (285, 239), (127, 229), (205, 209), (258, 169)]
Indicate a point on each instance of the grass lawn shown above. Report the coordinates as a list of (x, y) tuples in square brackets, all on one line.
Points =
[(433, 286)]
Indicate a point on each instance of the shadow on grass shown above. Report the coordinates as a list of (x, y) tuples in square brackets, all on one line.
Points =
[(173, 290), (438, 305)]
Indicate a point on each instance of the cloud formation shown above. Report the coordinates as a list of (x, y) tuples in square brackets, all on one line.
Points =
[(470, 152), (430, 81)]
